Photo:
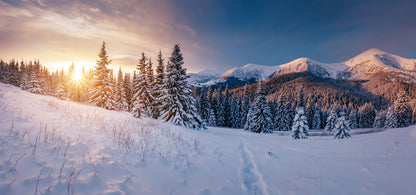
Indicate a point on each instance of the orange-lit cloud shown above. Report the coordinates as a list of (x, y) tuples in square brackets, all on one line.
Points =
[(56, 31)]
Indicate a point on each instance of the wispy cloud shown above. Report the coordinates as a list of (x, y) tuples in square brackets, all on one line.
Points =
[(64, 30)]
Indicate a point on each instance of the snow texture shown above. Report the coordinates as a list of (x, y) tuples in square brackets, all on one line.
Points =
[(52, 146)]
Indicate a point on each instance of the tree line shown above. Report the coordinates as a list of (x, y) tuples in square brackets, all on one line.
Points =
[(163, 93)]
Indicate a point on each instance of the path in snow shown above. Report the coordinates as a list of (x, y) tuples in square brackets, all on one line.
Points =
[(251, 178)]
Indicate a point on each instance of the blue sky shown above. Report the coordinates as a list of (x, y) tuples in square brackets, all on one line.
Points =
[(213, 33)]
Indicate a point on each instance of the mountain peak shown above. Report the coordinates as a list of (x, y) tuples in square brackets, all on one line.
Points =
[(373, 51)]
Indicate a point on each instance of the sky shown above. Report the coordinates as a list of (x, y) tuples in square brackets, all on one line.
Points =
[(212, 33)]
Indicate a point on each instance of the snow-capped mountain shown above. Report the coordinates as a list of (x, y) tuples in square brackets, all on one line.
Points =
[(204, 76), (249, 71), (375, 60), (361, 66)]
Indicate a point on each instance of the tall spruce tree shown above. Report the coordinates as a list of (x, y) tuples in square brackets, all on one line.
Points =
[(331, 120), (380, 120), (120, 92), (353, 119), (282, 118), (391, 119), (142, 97), (102, 89), (367, 116), (178, 105), (158, 86), (127, 87), (300, 127), (342, 127), (402, 110), (259, 119), (246, 105)]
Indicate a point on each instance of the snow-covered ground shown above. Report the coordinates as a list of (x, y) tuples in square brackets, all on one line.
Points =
[(49, 146)]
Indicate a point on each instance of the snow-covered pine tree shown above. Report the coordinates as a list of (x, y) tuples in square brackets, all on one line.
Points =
[(120, 92), (331, 120), (259, 120), (379, 121), (127, 87), (245, 106), (367, 116), (142, 97), (60, 91), (403, 110), (220, 109), (316, 120), (158, 86), (391, 119), (178, 103), (227, 109), (35, 82), (310, 112), (204, 106), (341, 127), (102, 90), (235, 112), (282, 118), (353, 119), (300, 126)]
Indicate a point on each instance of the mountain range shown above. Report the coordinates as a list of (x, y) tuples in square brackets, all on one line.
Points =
[(361, 67)]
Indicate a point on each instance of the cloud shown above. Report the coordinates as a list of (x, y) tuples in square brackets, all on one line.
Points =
[(63, 30)]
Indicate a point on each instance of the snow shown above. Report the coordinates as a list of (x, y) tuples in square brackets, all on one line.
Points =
[(51, 146), (249, 71), (361, 66)]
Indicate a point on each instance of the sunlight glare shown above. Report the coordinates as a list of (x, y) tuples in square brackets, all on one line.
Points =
[(77, 75)]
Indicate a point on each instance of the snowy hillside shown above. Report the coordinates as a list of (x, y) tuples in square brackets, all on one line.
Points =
[(50, 146), (362, 66)]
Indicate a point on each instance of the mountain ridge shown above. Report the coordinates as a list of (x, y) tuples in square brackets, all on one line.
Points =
[(361, 67)]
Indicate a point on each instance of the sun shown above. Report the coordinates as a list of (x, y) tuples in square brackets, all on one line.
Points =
[(77, 75)]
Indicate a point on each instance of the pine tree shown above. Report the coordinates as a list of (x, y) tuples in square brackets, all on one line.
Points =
[(379, 121), (227, 110), (316, 120), (391, 118), (402, 110), (158, 86), (300, 126), (102, 89), (245, 106), (341, 127), (120, 92), (282, 118), (178, 103), (259, 119), (331, 120), (220, 109), (353, 119), (127, 87), (35, 82), (142, 97), (367, 116)]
